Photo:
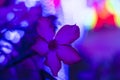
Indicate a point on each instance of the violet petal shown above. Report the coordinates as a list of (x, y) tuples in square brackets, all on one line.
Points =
[(67, 34), (53, 62), (41, 47), (45, 29), (68, 54)]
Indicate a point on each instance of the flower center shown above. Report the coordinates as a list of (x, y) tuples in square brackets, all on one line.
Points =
[(52, 45)]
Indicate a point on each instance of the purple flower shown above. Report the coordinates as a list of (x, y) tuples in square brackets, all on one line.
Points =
[(56, 47)]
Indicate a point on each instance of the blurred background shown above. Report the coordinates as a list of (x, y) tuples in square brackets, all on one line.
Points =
[(98, 44)]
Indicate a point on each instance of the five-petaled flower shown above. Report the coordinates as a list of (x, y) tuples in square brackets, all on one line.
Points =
[(56, 47)]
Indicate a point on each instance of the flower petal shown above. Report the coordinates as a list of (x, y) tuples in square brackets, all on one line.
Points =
[(67, 34), (53, 62), (40, 47), (68, 54), (45, 29)]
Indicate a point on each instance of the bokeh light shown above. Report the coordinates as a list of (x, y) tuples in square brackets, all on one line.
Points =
[(98, 44)]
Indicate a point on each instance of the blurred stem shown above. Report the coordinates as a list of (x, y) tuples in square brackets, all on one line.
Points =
[(18, 60)]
